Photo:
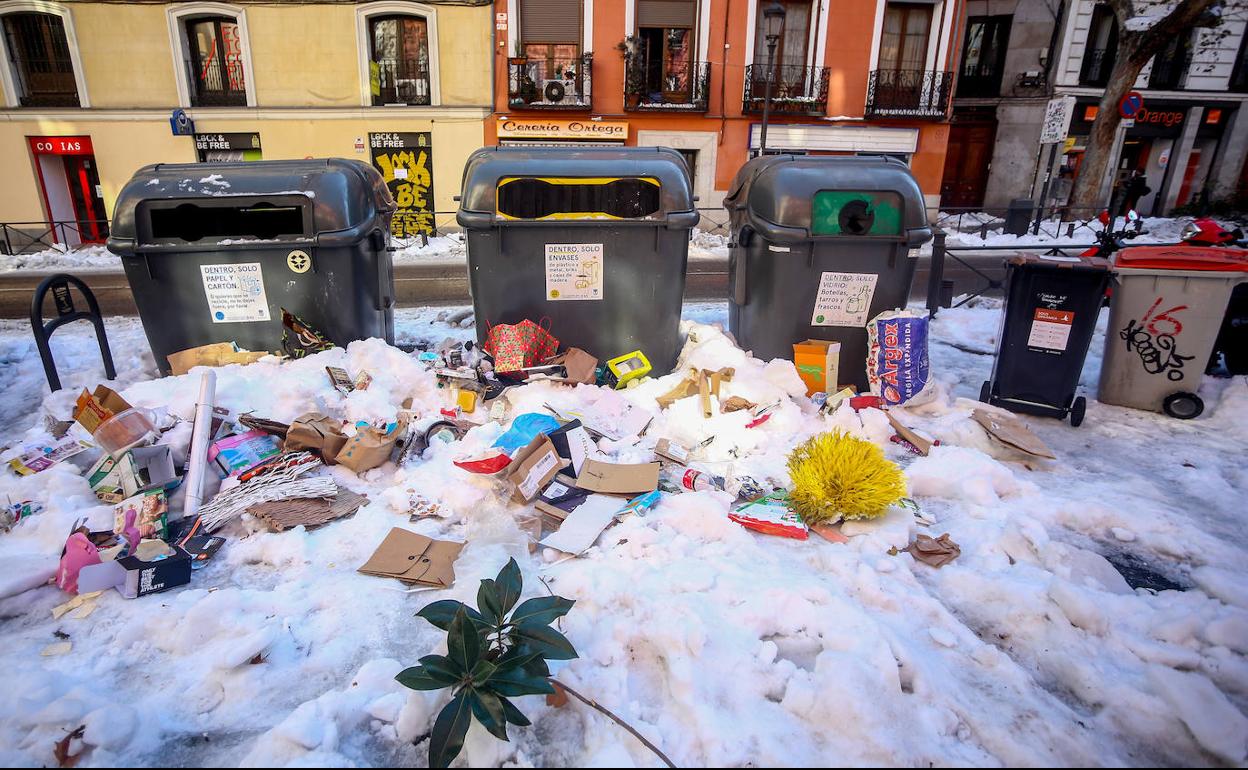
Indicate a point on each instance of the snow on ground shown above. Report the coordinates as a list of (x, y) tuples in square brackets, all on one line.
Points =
[(1053, 232), (81, 258), (722, 646)]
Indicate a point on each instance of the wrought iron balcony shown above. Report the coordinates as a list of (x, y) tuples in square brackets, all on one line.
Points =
[(46, 82), (794, 90), (549, 83), (214, 85), (646, 89), (401, 81), (1097, 64), (909, 94)]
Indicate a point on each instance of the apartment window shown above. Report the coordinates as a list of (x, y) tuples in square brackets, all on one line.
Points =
[(983, 55), (39, 52), (216, 75), (399, 63), (552, 71), (1102, 48), (793, 48), (904, 38), (1170, 66), (665, 34)]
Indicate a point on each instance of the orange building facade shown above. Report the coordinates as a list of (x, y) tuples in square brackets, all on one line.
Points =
[(848, 77)]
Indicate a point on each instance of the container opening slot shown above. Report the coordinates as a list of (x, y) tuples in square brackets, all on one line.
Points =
[(190, 222), (856, 213), (537, 198)]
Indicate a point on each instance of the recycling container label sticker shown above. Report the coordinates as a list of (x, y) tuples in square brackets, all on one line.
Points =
[(844, 299), (574, 271), (1050, 329), (235, 292)]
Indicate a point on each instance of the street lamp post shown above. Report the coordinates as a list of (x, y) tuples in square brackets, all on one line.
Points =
[(773, 21)]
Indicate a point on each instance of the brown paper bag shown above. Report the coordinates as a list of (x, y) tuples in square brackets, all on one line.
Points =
[(580, 366), (315, 432), (370, 447)]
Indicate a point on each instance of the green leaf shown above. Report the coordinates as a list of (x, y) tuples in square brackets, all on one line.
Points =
[(488, 602), (544, 610), (488, 710), (537, 667), (447, 738), (463, 643), (546, 640), (443, 668), (418, 678), (440, 614), (513, 714), (482, 672), (519, 682), (510, 584)]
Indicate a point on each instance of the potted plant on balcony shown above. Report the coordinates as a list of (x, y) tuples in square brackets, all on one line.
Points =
[(634, 71)]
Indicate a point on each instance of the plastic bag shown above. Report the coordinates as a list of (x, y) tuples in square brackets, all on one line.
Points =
[(898, 368)]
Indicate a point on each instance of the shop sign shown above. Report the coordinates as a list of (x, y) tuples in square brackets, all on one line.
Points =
[(541, 128), (405, 161), (60, 145), (242, 141), (1167, 118)]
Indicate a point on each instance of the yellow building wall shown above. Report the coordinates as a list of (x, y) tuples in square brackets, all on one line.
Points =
[(304, 56), (126, 55), (464, 54), (123, 147)]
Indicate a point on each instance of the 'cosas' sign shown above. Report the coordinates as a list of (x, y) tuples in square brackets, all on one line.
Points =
[(61, 145)]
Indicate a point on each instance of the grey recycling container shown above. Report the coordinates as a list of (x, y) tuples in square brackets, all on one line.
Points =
[(1052, 305), (593, 239), (1163, 321), (820, 246), (214, 252)]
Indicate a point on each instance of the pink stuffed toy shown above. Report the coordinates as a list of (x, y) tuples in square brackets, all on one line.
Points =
[(79, 553)]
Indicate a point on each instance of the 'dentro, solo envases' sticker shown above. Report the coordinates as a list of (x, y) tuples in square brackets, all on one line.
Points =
[(574, 271)]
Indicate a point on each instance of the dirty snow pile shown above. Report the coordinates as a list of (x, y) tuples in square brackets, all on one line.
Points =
[(61, 257), (722, 646), (1053, 232)]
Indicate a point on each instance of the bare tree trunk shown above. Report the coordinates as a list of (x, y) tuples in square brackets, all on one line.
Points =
[(1135, 48)]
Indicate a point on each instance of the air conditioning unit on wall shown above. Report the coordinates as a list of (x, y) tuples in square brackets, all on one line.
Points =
[(559, 91)]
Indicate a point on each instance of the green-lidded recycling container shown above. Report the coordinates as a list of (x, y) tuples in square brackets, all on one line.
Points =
[(595, 239), (214, 251), (820, 246)]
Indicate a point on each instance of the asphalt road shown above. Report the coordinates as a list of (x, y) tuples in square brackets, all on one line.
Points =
[(446, 283)]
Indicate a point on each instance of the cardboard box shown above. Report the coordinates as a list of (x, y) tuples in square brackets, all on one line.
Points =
[(92, 409), (560, 498), (138, 470), (818, 364), (574, 444), (533, 467), (134, 577), (670, 450), (216, 354), (618, 478), (414, 559), (1012, 432)]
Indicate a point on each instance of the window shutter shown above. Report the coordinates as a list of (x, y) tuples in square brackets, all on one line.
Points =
[(550, 21), (666, 13)]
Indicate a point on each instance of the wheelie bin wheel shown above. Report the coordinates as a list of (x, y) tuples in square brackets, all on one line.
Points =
[(1077, 411), (1183, 406)]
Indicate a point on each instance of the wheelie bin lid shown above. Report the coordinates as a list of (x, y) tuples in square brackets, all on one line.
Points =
[(576, 186), (803, 197), (1184, 257), (327, 195)]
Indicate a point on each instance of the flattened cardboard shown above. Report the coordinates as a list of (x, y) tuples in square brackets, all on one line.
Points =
[(92, 409), (923, 445), (533, 467), (618, 478), (1012, 432), (317, 433), (414, 559), (281, 515), (818, 364), (216, 354)]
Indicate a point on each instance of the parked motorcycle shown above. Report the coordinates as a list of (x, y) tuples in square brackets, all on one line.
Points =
[(1231, 349), (1110, 241)]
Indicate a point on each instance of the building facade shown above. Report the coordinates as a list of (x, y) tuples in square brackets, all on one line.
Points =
[(1188, 143), (848, 77), (89, 91)]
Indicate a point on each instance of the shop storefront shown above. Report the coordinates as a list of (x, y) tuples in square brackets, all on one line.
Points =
[(69, 182), (1153, 150), (537, 132)]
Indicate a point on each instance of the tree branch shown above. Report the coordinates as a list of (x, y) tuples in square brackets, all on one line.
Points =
[(615, 719)]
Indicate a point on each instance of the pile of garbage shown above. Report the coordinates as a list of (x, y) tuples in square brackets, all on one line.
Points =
[(569, 471)]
